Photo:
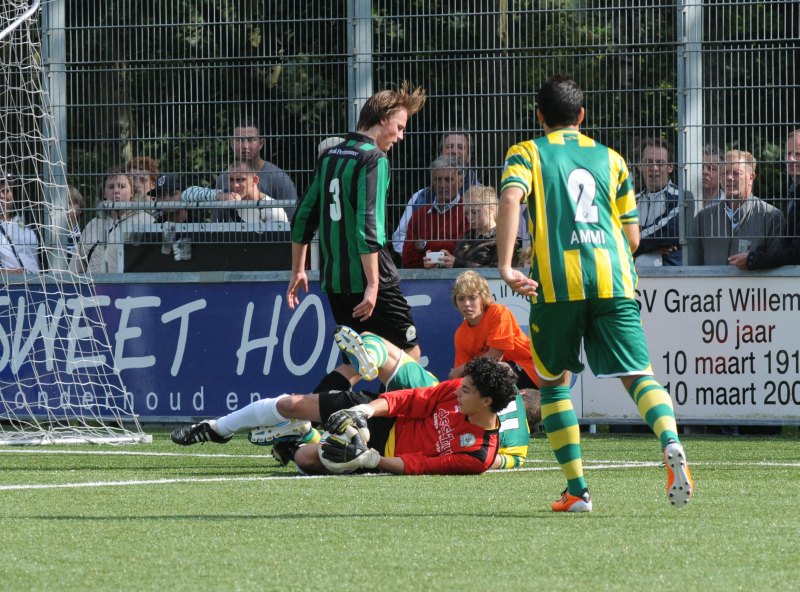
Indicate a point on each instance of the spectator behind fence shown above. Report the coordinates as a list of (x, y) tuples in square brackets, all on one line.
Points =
[(455, 142), (658, 207), (98, 249), (244, 187), (75, 207), (144, 172), (19, 245), (741, 222), (713, 170), (788, 251), (169, 187), (478, 246), (437, 227), (246, 143)]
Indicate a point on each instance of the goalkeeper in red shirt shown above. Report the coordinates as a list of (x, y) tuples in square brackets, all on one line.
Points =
[(450, 428)]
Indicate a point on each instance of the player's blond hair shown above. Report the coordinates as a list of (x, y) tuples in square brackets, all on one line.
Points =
[(386, 103), (471, 282)]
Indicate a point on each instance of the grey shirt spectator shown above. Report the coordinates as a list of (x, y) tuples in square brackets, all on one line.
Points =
[(740, 223), (246, 143)]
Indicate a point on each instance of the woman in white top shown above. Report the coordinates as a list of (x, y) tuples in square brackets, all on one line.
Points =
[(19, 245), (100, 243)]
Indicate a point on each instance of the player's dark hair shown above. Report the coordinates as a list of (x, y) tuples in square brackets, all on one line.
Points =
[(560, 100), (493, 379)]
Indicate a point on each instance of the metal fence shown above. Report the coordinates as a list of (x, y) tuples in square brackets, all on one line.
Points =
[(169, 80)]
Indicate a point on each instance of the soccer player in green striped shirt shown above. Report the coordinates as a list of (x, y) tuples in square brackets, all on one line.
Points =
[(584, 227), (347, 202)]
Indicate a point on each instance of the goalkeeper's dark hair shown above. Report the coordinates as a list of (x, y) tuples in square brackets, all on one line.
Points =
[(560, 100), (493, 379)]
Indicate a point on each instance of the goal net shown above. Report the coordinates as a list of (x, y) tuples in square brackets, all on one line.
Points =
[(58, 381)]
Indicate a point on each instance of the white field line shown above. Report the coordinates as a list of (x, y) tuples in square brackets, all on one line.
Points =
[(551, 466), (617, 463), (126, 453), (145, 482), (128, 483)]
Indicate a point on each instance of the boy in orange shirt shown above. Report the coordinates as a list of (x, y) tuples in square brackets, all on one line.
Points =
[(489, 330)]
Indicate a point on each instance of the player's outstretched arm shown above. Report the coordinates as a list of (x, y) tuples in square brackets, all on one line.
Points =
[(341, 455), (392, 465), (346, 453)]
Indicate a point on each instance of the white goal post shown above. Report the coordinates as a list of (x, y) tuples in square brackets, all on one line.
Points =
[(58, 381)]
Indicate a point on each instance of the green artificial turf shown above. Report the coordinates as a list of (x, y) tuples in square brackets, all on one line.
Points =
[(163, 517)]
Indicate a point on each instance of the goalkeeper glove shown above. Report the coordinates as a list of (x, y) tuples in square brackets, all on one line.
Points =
[(341, 456), (356, 417)]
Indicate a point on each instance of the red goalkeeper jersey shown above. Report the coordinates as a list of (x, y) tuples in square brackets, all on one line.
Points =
[(432, 436)]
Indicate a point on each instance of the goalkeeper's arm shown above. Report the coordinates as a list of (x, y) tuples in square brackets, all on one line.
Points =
[(380, 408), (339, 456), (392, 465), (348, 452), (340, 421)]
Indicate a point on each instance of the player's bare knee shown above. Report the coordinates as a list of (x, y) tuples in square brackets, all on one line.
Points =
[(289, 406), (307, 460), (415, 352)]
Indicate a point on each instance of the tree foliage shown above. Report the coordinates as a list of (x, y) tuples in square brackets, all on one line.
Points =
[(167, 79)]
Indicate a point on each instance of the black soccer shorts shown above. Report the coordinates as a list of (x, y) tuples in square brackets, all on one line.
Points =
[(391, 318), (379, 427)]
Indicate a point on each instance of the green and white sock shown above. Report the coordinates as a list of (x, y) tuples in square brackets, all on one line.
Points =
[(376, 349)]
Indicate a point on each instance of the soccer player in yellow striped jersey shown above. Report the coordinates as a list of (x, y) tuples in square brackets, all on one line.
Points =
[(584, 227)]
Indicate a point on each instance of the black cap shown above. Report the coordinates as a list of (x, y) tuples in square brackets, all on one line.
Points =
[(166, 185)]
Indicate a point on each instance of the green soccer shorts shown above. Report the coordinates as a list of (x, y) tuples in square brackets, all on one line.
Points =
[(611, 331), (410, 374)]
